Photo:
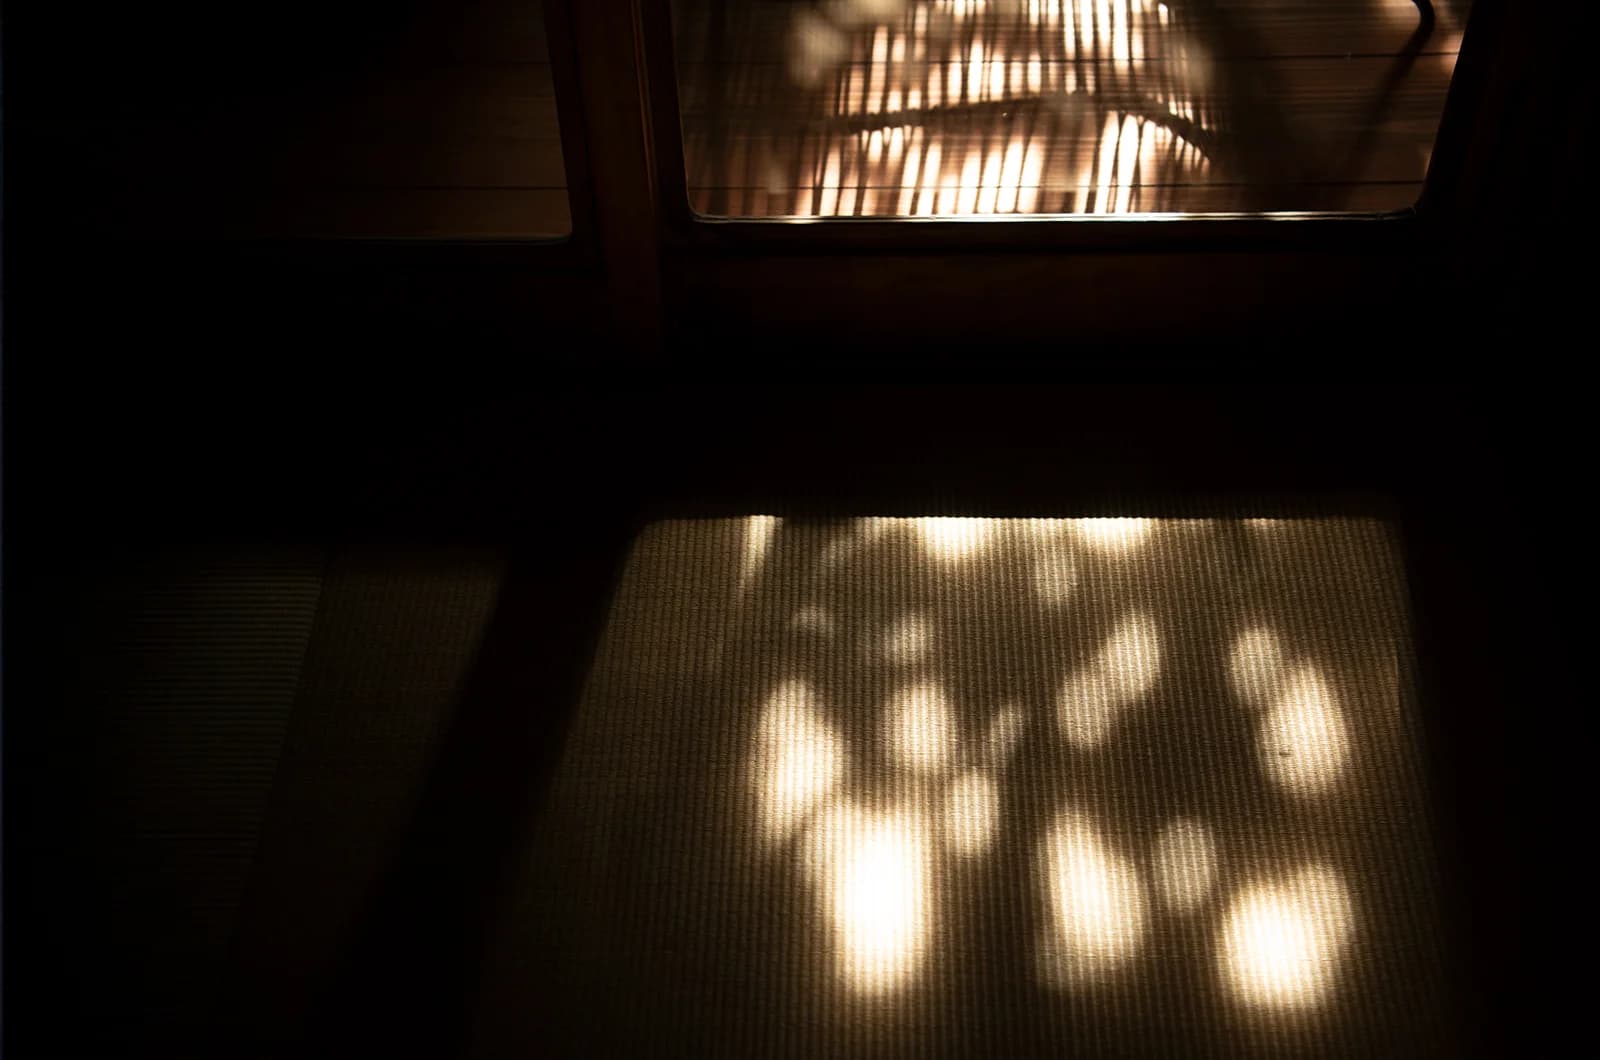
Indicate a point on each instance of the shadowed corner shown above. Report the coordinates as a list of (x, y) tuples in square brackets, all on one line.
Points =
[(408, 979)]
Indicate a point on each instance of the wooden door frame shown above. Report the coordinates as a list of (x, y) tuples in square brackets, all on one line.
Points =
[(872, 277)]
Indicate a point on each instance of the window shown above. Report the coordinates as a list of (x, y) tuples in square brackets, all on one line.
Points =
[(1106, 108)]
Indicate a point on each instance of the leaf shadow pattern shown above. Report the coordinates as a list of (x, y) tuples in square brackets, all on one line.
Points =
[(895, 787), (1131, 733)]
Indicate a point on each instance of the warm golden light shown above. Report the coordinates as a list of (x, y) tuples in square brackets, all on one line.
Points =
[(1281, 943), (1185, 865), (1255, 666), (947, 766), (872, 870), (813, 620), (922, 727), (1126, 667), (1005, 732), (1113, 535), (1118, 103), (758, 534), (1303, 740), (1095, 901), (959, 56), (908, 640), (971, 813), (799, 759), (955, 539), (1055, 576)]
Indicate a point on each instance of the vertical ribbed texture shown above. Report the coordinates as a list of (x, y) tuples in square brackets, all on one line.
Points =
[(887, 787), (396, 634), (193, 662)]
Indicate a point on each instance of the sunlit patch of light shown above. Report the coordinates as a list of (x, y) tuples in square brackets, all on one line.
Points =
[(1255, 665), (813, 620), (1126, 667), (872, 871), (1113, 535), (922, 727), (1107, 164), (1005, 732), (1303, 740), (1185, 865), (889, 72), (758, 534), (1282, 942), (799, 758), (1451, 51), (968, 200), (1096, 905), (908, 640), (955, 538), (1055, 576), (1010, 176), (1032, 178), (971, 813), (990, 183), (930, 179)]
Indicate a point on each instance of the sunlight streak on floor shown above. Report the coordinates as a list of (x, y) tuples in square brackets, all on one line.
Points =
[(1282, 941)]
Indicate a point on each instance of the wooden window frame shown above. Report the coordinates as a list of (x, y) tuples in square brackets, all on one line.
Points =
[(1440, 202)]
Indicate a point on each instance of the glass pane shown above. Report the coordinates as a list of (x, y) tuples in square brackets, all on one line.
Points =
[(895, 108), (988, 787)]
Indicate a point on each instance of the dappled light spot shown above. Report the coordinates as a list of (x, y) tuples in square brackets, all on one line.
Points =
[(799, 759), (758, 533), (1303, 741), (1005, 732), (955, 538), (1055, 577), (1281, 942), (971, 813), (922, 727), (1255, 666), (1185, 865), (1126, 667), (993, 741), (1113, 535), (1045, 529), (872, 871), (909, 640), (813, 620), (1095, 903)]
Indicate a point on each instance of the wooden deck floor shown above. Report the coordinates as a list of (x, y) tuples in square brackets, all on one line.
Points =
[(960, 107)]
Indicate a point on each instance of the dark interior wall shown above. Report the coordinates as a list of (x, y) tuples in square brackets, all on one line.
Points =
[(351, 119)]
